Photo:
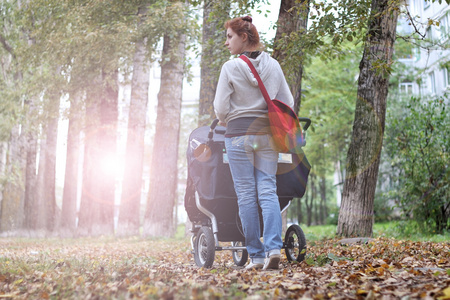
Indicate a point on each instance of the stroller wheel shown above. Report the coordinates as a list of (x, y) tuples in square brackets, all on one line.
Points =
[(204, 247), (240, 257), (295, 243)]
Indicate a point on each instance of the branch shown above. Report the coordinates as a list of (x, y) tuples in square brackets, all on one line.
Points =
[(6, 45), (413, 24)]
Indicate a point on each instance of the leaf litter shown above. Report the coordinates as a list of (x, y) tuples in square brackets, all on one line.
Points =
[(138, 268)]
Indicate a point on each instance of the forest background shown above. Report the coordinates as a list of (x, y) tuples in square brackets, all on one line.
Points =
[(72, 60)]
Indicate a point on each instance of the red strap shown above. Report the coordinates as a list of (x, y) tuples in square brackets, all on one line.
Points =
[(260, 83)]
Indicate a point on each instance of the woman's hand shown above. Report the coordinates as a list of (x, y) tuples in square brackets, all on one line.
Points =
[(222, 124)]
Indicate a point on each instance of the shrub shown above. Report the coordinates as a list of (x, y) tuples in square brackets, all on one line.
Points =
[(420, 141)]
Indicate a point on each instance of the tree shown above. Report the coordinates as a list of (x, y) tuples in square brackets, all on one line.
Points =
[(45, 189), (291, 26), (163, 170), (356, 212), (12, 201), (70, 194), (215, 13), (93, 41), (163, 177), (97, 202), (129, 217), (328, 100), (417, 144), (12, 115), (31, 206)]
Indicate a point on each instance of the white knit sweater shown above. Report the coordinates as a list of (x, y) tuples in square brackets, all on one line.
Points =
[(238, 94)]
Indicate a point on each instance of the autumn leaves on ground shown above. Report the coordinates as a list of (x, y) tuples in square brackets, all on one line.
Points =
[(107, 268)]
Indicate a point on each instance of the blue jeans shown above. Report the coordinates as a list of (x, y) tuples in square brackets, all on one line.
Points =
[(253, 165)]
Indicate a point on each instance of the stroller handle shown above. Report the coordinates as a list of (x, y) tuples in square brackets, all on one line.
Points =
[(211, 130), (307, 121)]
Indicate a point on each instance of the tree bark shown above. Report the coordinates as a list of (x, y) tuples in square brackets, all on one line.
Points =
[(45, 189), (158, 220), (213, 56), (309, 205), (356, 212), (31, 207), (12, 206), (97, 200), (323, 200), (300, 212), (70, 193), (129, 217), (292, 21)]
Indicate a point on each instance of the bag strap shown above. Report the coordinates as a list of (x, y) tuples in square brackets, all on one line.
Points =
[(260, 83)]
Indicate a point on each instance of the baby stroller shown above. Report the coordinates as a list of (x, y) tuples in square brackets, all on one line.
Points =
[(211, 202)]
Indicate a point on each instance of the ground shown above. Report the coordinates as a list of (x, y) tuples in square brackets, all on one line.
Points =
[(109, 268)]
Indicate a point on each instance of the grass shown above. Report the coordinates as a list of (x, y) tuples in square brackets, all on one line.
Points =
[(395, 229)]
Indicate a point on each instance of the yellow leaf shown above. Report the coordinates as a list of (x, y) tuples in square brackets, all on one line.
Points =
[(295, 287), (361, 292), (446, 295), (151, 291), (8, 295), (18, 281)]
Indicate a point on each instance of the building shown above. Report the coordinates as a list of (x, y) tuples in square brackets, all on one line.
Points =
[(430, 63)]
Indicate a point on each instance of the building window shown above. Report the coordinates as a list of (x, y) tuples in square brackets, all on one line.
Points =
[(444, 27), (432, 80), (406, 88), (446, 72), (429, 33)]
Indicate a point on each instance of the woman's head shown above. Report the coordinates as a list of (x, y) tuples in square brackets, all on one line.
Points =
[(241, 35)]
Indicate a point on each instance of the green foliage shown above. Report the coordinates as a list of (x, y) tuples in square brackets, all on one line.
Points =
[(383, 210), (329, 90), (408, 230), (418, 144), (319, 232), (334, 23), (401, 230)]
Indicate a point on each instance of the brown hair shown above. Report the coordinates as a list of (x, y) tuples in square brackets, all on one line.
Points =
[(242, 25)]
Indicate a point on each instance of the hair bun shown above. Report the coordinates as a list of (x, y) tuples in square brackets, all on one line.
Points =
[(247, 18)]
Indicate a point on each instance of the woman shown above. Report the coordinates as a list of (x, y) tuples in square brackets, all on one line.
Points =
[(240, 106)]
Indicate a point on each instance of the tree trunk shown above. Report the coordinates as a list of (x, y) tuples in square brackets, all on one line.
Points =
[(3, 153), (99, 176), (300, 212), (292, 20), (12, 210), (323, 200), (89, 192), (31, 207), (70, 193), (158, 220), (356, 212), (132, 182), (45, 189), (213, 56), (309, 204)]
